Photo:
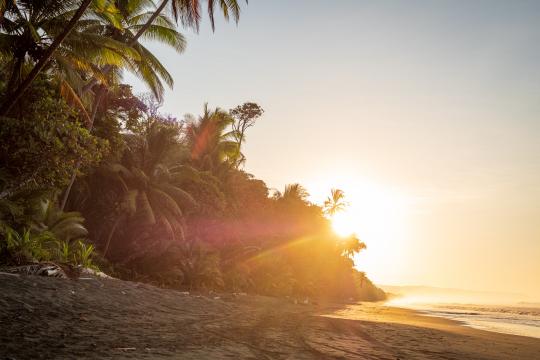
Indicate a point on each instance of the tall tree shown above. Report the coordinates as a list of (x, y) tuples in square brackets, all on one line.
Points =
[(245, 116)]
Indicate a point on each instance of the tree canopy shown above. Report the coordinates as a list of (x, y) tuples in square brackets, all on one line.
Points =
[(94, 175)]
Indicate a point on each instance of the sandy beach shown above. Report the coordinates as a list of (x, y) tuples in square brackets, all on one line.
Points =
[(44, 318)]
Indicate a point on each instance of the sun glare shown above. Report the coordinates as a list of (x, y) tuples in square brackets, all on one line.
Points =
[(377, 214), (373, 211), (344, 224)]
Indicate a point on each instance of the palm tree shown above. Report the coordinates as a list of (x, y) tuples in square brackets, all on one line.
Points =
[(350, 245), (146, 66), (187, 11), (134, 16), (144, 182), (335, 202), (26, 33), (45, 57), (212, 142), (292, 192)]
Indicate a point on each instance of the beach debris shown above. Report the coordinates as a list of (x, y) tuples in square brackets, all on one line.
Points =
[(217, 297), (10, 274), (184, 292), (28, 307), (126, 348), (52, 269), (49, 269), (96, 273)]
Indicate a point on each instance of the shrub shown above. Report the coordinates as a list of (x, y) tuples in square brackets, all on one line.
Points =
[(43, 142)]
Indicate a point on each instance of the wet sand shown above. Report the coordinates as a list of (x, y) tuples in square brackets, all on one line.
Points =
[(44, 318)]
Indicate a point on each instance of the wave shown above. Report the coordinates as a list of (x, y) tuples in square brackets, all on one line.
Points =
[(516, 320)]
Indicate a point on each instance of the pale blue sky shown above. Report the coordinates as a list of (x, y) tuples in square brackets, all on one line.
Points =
[(430, 105)]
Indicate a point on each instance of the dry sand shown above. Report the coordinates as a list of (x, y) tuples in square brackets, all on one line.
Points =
[(44, 318)]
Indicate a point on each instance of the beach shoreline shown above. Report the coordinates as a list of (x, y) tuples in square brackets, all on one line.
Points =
[(100, 318), (512, 319)]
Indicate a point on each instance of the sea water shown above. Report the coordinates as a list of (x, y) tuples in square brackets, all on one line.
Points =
[(519, 319)]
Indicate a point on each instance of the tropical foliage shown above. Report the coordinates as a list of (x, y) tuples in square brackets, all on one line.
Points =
[(92, 173), (335, 202)]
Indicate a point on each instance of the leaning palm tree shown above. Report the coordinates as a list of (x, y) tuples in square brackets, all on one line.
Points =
[(186, 11), (45, 56), (125, 29), (134, 16), (335, 202), (29, 27)]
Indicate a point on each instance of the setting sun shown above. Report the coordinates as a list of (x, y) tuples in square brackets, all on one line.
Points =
[(289, 179), (377, 213), (344, 224)]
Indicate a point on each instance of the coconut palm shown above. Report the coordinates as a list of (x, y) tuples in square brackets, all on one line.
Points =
[(47, 53), (30, 26), (350, 245), (292, 192), (335, 202), (212, 141), (134, 16), (147, 195), (186, 11), (125, 29)]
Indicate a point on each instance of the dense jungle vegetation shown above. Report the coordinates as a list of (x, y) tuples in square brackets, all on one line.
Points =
[(94, 175)]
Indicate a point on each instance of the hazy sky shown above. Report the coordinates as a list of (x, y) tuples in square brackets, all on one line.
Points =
[(427, 114)]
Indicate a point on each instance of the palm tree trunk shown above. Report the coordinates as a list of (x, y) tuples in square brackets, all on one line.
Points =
[(111, 233), (14, 189), (148, 23), (16, 73), (45, 58), (95, 106)]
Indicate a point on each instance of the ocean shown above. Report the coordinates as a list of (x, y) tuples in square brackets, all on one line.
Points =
[(520, 319)]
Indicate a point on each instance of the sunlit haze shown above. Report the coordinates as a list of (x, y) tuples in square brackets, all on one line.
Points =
[(426, 114)]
